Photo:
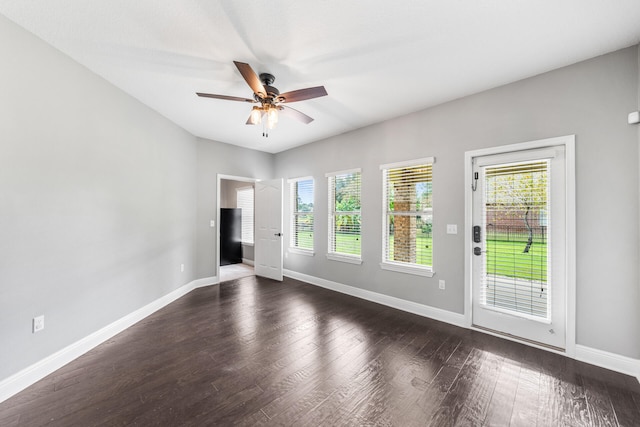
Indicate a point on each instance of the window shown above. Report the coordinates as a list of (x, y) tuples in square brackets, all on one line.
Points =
[(244, 200), (516, 200), (408, 217), (301, 190), (344, 216)]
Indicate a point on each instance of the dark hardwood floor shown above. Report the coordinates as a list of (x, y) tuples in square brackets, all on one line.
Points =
[(257, 352)]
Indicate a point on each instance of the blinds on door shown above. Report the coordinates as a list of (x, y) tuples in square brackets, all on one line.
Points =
[(516, 267)]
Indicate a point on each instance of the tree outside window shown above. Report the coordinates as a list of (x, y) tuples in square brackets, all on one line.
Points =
[(344, 214), (408, 214), (302, 213)]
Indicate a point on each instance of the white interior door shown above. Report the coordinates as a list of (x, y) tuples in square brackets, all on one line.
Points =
[(519, 244), (268, 222)]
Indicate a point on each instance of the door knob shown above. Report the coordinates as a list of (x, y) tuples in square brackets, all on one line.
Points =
[(278, 234), (477, 251)]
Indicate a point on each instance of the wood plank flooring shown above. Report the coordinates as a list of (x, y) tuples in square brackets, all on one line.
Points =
[(256, 352)]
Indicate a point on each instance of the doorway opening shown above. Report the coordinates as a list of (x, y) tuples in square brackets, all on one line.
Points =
[(235, 219)]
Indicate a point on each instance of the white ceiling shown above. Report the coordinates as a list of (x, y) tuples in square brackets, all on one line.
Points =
[(377, 59)]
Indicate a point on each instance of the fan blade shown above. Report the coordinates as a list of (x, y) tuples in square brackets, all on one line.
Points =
[(251, 78), (226, 97), (295, 114), (302, 94)]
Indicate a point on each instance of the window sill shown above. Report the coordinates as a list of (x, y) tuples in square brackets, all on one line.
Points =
[(345, 258), (307, 252), (408, 269)]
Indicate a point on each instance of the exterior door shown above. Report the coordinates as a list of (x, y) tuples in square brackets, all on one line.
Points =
[(518, 245), (268, 221)]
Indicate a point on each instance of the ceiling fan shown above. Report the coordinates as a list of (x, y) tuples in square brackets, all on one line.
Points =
[(270, 100)]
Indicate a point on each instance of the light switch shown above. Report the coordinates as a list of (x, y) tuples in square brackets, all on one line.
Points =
[(452, 229), (212, 223)]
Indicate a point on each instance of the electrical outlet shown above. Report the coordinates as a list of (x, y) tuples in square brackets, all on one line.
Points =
[(181, 268), (441, 284), (38, 323)]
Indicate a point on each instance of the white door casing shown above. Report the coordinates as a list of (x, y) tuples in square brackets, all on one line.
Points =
[(268, 229), (551, 320), (220, 179)]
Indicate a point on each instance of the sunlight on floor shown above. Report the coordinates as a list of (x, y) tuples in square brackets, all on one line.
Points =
[(235, 271)]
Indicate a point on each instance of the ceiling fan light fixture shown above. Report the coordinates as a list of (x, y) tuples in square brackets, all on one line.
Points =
[(272, 117), (267, 99), (256, 115)]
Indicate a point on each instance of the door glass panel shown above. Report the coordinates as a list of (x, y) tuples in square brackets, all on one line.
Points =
[(515, 276)]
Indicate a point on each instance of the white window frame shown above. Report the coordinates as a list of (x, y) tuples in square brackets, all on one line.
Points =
[(332, 255), (294, 213), (402, 267), (247, 222)]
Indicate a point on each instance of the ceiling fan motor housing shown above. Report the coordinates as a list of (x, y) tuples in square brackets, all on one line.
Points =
[(272, 92), (267, 78)]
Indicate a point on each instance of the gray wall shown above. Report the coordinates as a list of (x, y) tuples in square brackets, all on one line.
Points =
[(102, 199), (217, 158), (98, 201), (228, 196), (637, 126), (591, 100)]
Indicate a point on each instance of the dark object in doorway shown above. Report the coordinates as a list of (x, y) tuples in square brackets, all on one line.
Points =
[(230, 236)]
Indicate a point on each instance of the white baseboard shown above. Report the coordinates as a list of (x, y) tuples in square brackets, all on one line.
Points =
[(201, 283), (30, 375), (247, 261), (401, 304), (612, 361)]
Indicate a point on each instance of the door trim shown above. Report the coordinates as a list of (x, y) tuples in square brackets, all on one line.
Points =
[(220, 177), (568, 142)]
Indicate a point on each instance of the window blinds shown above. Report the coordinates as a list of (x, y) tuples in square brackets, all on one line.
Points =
[(301, 191), (244, 201), (516, 202), (408, 213), (344, 213)]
